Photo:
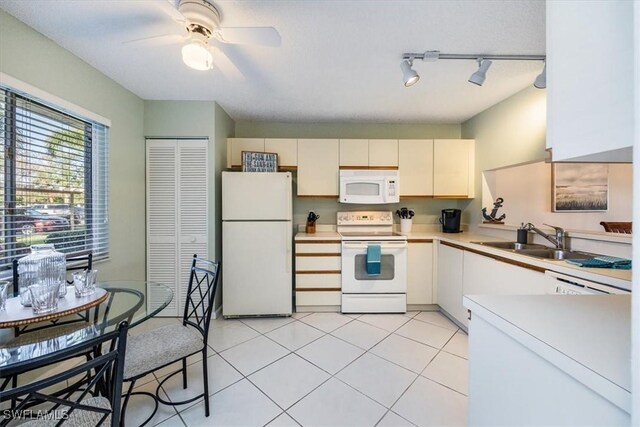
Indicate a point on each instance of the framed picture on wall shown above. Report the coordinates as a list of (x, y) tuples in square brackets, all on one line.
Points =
[(253, 161), (580, 187)]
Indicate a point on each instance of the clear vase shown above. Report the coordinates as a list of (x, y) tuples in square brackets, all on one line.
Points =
[(43, 266)]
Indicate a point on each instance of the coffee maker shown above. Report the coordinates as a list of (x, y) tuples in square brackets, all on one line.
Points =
[(450, 220)]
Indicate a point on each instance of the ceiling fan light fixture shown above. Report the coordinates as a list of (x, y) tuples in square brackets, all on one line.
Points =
[(480, 75), (409, 75), (197, 56), (541, 80)]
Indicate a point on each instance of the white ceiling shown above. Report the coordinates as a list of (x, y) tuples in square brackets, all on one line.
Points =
[(339, 60)]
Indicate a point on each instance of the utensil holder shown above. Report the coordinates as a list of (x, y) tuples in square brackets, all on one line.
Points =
[(405, 225), (310, 228)]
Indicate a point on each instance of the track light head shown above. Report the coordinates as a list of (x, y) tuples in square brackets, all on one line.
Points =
[(541, 80), (409, 75), (480, 75)]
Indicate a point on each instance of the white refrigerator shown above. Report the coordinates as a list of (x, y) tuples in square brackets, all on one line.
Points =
[(256, 244)]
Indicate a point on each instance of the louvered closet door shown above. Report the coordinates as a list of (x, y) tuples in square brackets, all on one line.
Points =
[(162, 219), (177, 200), (192, 208)]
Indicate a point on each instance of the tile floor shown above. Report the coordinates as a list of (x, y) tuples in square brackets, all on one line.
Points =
[(322, 369)]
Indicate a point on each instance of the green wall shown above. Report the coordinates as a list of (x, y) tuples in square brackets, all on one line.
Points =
[(509, 133), (34, 59)]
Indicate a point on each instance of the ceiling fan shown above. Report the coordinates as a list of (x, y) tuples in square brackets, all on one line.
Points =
[(201, 20)]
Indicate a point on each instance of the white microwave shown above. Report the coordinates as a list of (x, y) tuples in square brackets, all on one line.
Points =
[(369, 187)]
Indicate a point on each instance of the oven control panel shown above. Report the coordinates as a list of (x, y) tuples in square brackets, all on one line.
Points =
[(365, 218)]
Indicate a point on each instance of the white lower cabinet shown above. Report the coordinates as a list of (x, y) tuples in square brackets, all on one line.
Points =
[(450, 268), (420, 272), (318, 275), (486, 275)]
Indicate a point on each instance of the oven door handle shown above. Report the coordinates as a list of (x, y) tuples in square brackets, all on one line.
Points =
[(383, 245)]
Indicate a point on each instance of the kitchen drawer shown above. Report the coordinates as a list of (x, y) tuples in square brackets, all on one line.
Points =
[(318, 281), (318, 298), (318, 263), (318, 248)]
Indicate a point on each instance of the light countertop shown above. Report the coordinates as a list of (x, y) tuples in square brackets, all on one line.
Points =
[(587, 336)]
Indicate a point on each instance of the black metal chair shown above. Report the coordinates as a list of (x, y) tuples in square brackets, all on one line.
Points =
[(93, 399), (160, 347)]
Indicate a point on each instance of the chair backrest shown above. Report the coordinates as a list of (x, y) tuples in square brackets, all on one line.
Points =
[(203, 281), (79, 262), (617, 227), (92, 396)]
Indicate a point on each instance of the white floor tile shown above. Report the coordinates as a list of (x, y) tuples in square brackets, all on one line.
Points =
[(449, 370), (221, 375), (326, 321), (300, 315), (174, 421), (405, 352), (266, 324), (458, 345), (375, 377), (330, 353), (288, 380), (392, 419), (221, 322), (388, 322), (141, 406), (231, 334), (411, 314), (353, 315), (295, 335), (283, 420), (436, 318), (336, 404), (242, 404), (430, 404), (361, 334), (254, 354), (426, 333)]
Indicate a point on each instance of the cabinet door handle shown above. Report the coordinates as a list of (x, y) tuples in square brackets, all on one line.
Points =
[(468, 314)]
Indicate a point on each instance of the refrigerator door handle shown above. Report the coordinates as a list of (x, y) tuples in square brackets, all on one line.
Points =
[(288, 242)]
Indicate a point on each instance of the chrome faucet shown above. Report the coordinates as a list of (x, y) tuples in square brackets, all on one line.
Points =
[(558, 241)]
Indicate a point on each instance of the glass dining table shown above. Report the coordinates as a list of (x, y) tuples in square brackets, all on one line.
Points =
[(21, 350)]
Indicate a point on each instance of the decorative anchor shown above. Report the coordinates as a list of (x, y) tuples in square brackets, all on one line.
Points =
[(492, 216)]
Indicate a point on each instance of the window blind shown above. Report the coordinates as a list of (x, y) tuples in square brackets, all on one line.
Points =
[(54, 180)]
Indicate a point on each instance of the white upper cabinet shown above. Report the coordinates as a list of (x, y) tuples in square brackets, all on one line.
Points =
[(235, 147), (286, 148), (318, 163), (453, 168), (354, 152), (383, 153), (590, 76), (415, 163)]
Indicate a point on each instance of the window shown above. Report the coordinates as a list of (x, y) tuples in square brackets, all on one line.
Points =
[(53, 172)]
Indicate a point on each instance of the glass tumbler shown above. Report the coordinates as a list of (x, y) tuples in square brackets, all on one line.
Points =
[(84, 282), (44, 297), (3, 294)]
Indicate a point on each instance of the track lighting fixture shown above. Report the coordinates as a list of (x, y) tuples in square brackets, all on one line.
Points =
[(541, 80), (410, 76), (480, 75)]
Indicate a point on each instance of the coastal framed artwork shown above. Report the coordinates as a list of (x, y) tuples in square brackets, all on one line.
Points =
[(259, 162), (580, 187)]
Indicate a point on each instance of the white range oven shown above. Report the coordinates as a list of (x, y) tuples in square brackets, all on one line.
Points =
[(383, 290)]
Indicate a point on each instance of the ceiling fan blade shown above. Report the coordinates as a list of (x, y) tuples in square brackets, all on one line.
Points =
[(261, 36), (225, 64), (169, 7), (162, 39)]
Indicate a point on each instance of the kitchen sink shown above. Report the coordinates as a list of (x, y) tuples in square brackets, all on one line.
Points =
[(551, 253), (511, 245)]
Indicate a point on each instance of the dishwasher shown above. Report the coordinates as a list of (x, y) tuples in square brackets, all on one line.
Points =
[(562, 284)]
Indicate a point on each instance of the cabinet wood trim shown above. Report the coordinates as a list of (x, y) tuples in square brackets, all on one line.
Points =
[(453, 245), (420, 240), (318, 289), (319, 272), (508, 261), (415, 196), (451, 196), (313, 242), (322, 196), (370, 167), (312, 254)]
